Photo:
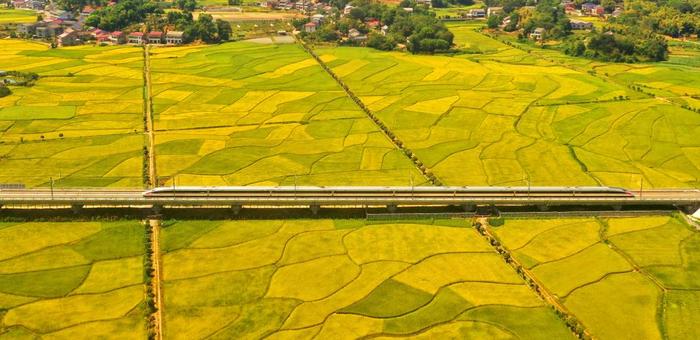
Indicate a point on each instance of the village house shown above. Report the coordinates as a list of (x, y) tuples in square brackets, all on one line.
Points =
[(26, 30), (174, 37), (355, 35), (372, 23), (580, 25), (318, 18), (477, 13), (155, 37), (347, 9), (385, 29), (616, 13), (135, 38), (588, 8), (428, 3), (310, 27), (494, 11), (117, 38), (69, 37), (48, 30), (537, 34)]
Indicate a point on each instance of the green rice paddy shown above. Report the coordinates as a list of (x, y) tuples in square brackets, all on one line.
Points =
[(343, 279), (67, 280), (621, 277), (81, 124), (16, 16), (263, 114), (498, 115)]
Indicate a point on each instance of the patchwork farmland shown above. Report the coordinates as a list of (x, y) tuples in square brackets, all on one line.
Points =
[(622, 277), (336, 279), (263, 114), (506, 117), (81, 124), (64, 280)]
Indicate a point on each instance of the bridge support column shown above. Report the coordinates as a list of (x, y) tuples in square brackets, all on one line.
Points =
[(391, 208), (156, 209), (617, 207), (236, 208), (468, 207), (315, 208), (77, 208), (543, 207), (687, 209)]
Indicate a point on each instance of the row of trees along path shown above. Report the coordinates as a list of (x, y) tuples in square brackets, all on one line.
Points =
[(152, 265), (393, 137), (482, 227)]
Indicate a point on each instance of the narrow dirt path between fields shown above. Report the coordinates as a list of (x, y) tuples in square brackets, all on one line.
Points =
[(148, 118), (382, 127), (157, 275), (569, 319)]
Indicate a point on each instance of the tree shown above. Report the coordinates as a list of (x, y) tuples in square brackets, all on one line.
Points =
[(186, 5), (493, 21), (224, 29)]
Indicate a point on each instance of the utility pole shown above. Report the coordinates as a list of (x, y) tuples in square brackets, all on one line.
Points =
[(51, 180), (641, 186)]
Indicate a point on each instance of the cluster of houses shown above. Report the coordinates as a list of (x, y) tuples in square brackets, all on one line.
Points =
[(353, 34), (588, 9), (69, 35), (36, 5), (67, 30)]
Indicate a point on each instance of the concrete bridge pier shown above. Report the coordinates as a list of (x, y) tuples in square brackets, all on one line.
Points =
[(391, 208), (542, 207), (468, 207), (77, 208), (236, 209), (156, 209), (315, 208), (690, 209)]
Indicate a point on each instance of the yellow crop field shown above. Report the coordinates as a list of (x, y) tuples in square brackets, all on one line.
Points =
[(342, 279), (500, 116), (289, 121), (68, 279), (621, 277), (81, 119)]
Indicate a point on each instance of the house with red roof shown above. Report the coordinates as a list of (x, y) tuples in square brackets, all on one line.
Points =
[(155, 37), (135, 38)]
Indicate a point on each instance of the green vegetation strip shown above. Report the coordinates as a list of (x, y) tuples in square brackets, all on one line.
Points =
[(393, 137)]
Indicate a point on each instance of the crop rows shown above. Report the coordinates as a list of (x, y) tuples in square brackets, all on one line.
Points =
[(621, 277), (70, 279), (250, 113), (507, 117), (343, 279), (80, 124)]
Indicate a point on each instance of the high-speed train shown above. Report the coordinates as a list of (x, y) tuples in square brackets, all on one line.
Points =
[(379, 192)]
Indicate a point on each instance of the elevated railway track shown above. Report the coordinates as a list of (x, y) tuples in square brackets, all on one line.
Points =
[(345, 197)]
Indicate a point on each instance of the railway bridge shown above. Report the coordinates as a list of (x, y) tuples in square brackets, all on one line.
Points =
[(315, 198)]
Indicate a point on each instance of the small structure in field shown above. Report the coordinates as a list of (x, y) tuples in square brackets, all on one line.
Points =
[(117, 38)]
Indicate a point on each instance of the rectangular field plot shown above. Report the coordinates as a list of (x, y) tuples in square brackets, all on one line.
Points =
[(263, 114), (492, 119), (68, 280), (337, 279), (80, 124), (621, 277)]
